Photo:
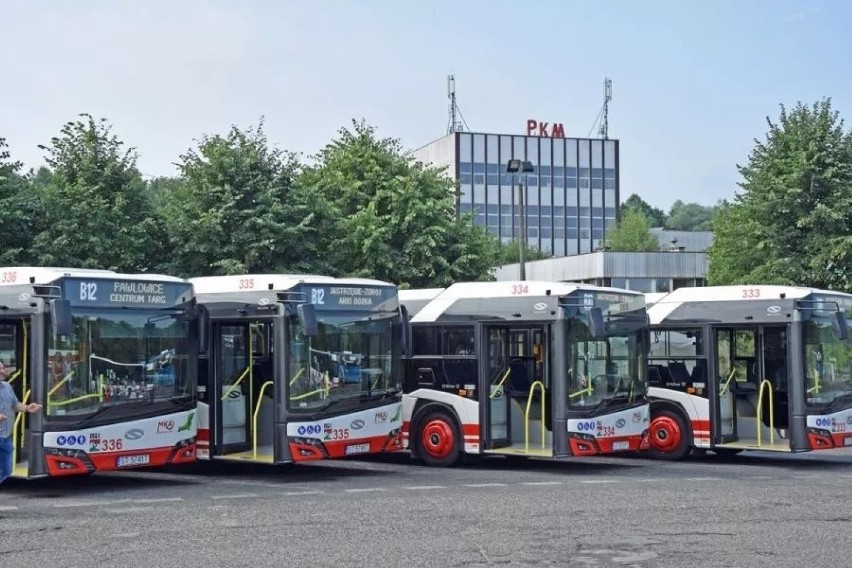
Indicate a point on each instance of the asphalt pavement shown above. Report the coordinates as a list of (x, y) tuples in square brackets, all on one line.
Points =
[(755, 509)]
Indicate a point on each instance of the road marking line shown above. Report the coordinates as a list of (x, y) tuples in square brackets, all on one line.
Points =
[(71, 504), (541, 483), (483, 485), (703, 478), (291, 493), (760, 477), (601, 481), (242, 496), (417, 487), (648, 480), (364, 489), (8, 508), (158, 500)]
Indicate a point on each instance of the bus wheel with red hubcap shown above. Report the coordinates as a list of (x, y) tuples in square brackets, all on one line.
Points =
[(438, 439), (669, 435)]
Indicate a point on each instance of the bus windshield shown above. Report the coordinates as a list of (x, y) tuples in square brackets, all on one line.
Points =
[(828, 365), (117, 357), (353, 356), (608, 369)]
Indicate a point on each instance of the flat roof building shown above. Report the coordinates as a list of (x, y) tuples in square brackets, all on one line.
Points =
[(572, 195)]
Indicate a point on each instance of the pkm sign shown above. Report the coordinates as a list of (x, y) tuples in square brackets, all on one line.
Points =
[(538, 128)]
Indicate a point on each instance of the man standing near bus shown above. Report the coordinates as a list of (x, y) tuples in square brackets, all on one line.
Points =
[(9, 404)]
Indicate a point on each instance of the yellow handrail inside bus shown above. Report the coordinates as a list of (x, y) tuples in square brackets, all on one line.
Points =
[(296, 376), (502, 380), (326, 386), (725, 386), (533, 386), (18, 420), (765, 383), (236, 383), (816, 388), (14, 376), (254, 418)]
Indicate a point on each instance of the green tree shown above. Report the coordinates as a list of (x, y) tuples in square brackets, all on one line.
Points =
[(510, 253), (92, 207), (16, 217), (689, 217), (792, 222), (391, 218), (235, 208), (632, 233), (656, 216)]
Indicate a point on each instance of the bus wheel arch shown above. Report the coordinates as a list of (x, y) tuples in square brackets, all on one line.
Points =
[(437, 436), (670, 431)]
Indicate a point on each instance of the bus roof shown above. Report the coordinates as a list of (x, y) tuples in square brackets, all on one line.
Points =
[(12, 275), (683, 301), (273, 282), (426, 305)]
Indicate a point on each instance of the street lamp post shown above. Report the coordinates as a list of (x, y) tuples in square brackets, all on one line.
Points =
[(525, 167)]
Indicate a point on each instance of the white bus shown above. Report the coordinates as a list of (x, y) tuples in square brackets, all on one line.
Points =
[(300, 367), (736, 368), (110, 357), (537, 369)]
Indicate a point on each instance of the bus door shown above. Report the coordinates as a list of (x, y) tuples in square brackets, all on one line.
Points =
[(15, 369), (516, 364), (243, 374), (751, 383)]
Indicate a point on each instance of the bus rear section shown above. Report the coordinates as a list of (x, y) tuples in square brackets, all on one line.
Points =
[(536, 369), (111, 359), (736, 368), (301, 367)]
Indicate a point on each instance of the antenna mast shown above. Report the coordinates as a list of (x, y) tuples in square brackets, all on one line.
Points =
[(455, 125), (604, 131)]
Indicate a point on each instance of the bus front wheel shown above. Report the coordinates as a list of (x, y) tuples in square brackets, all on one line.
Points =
[(438, 439), (669, 435)]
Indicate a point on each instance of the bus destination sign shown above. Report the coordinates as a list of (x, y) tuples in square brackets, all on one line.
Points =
[(351, 297), (105, 293)]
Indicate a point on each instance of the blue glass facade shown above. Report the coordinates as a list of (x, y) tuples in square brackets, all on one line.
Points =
[(571, 197)]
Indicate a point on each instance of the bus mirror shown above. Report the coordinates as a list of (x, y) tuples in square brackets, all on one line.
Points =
[(60, 316), (308, 317), (841, 326), (203, 322), (597, 327), (406, 331)]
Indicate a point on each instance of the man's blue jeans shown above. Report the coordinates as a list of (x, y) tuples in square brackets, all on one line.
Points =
[(6, 464)]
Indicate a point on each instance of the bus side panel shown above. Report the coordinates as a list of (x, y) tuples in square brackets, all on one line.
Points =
[(697, 409), (618, 431), (203, 431), (466, 409)]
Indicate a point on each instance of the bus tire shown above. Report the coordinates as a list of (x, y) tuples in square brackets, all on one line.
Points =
[(438, 439), (669, 435)]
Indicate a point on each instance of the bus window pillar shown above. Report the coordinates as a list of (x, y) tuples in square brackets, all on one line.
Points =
[(559, 386), (796, 383)]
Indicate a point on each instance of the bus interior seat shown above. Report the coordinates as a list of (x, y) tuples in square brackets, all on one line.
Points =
[(679, 372), (655, 377)]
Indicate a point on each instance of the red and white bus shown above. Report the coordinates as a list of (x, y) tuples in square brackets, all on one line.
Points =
[(736, 368), (300, 367), (110, 357), (537, 369)]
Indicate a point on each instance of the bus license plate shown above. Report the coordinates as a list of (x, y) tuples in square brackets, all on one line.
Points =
[(132, 461), (847, 441), (624, 445), (357, 449)]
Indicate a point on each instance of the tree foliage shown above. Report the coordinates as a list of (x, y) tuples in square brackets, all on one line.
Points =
[(510, 253), (91, 207), (689, 217), (632, 233), (235, 208), (792, 222), (390, 218), (16, 215), (656, 216)]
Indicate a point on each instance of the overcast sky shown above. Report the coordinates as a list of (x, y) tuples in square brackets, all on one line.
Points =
[(693, 82)]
